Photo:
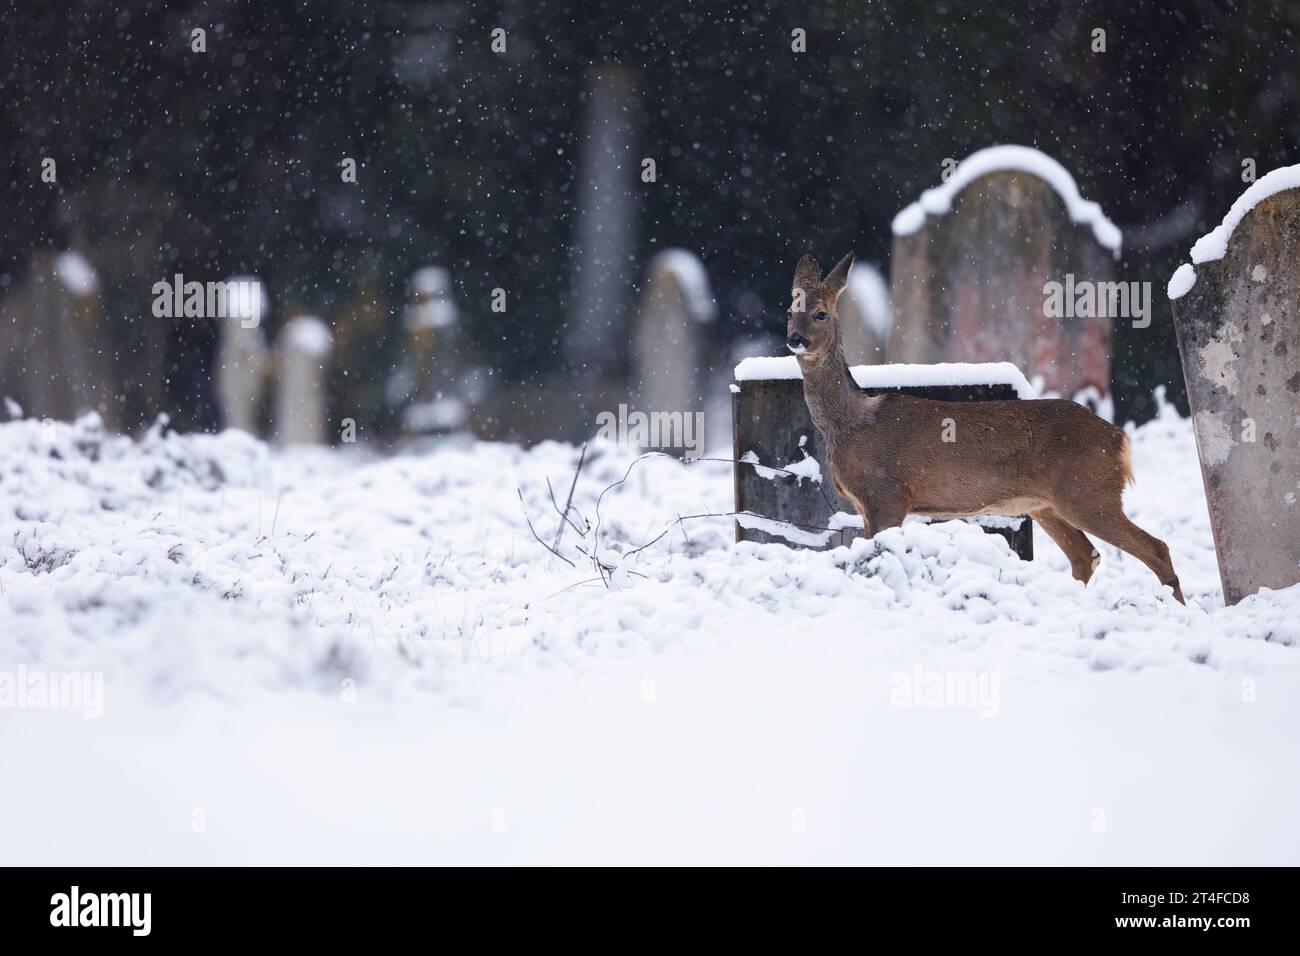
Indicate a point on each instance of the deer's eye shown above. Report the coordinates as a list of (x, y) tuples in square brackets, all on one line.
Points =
[(820, 316)]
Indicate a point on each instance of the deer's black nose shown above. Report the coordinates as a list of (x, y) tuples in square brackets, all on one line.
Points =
[(796, 341)]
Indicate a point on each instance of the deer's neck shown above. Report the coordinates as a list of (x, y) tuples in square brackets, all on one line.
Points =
[(833, 397)]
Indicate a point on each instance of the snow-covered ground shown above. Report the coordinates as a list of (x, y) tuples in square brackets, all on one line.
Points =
[(325, 656)]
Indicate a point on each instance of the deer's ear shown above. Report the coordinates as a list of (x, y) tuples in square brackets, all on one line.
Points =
[(807, 274), (838, 277)]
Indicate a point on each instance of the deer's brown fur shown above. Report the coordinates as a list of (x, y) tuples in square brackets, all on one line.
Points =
[(1052, 460)]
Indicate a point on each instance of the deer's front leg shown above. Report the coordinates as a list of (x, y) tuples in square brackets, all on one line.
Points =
[(880, 508)]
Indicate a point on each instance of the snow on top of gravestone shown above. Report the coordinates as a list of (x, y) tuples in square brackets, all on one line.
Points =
[(937, 201), (897, 375), (309, 335), (430, 280), (686, 267), (437, 310), (1181, 282), (1214, 245), (77, 275), (868, 288)]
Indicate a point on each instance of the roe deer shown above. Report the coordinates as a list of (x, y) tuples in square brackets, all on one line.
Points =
[(1052, 460)]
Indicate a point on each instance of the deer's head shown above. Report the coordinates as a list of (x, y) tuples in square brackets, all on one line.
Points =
[(813, 329)]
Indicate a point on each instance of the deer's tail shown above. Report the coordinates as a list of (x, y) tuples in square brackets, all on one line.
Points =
[(1126, 458)]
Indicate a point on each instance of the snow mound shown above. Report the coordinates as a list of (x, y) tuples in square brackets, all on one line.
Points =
[(938, 201), (199, 563)]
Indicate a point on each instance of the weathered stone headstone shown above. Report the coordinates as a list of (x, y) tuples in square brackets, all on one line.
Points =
[(865, 316), (669, 352), (243, 362), (1237, 315), (773, 434), (302, 354), (971, 264)]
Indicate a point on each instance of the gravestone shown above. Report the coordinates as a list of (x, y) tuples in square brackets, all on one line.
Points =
[(361, 358), (773, 430), (609, 184), (243, 361), (972, 260), (865, 316), (1237, 316), (435, 363), (58, 355), (669, 350), (302, 355)]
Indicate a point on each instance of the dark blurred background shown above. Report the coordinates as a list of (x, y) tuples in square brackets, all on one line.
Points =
[(228, 162)]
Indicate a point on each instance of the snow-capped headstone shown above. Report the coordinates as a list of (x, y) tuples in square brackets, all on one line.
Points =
[(782, 481), (243, 362), (974, 263), (1237, 315), (434, 365), (302, 357), (865, 316), (669, 350)]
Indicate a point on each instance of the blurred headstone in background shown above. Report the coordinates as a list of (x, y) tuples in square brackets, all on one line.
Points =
[(865, 316), (971, 265), (427, 383), (596, 340), (58, 354), (243, 363), (718, 413), (670, 357), (1237, 315), (302, 353), (360, 369)]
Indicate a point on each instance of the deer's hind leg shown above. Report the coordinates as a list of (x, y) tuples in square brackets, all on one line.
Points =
[(1109, 523), (1083, 556)]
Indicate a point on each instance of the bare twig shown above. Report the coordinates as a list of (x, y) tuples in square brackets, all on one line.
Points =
[(576, 584), (636, 461), (535, 535), (564, 515), (559, 532), (686, 461), (276, 516), (680, 519), (593, 554)]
